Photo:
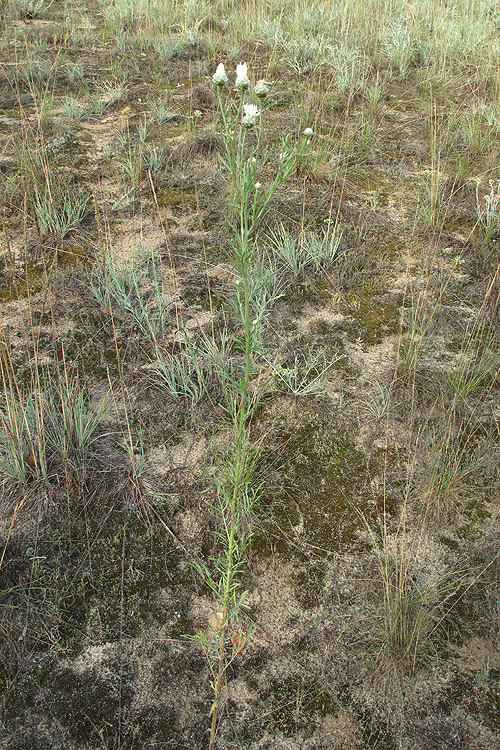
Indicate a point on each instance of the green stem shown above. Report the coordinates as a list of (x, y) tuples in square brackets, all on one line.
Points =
[(233, 498), (227, 594)]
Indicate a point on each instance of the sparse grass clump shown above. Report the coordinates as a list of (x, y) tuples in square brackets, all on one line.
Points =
[(58, 216), (135, 287), (415, 582), (181, 375), (307, 249), (48, 433)]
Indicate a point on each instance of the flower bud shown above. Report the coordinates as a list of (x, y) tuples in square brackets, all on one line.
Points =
[(261, 89)]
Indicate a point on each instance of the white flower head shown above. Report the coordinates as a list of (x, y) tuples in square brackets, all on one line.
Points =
[(242, 80), (261, 89), (220, 77), (258, 185), (251, 110), (251, 113), (308, 132)]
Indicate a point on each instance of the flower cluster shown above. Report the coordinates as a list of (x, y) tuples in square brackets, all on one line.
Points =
[(242, 82)]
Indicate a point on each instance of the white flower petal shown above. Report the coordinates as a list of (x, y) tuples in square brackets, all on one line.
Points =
[(242, 79), (241, 70), (251, 110), (220, 77)]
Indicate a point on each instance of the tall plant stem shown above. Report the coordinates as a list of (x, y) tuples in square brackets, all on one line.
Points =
[(236, 491), (229, 574)]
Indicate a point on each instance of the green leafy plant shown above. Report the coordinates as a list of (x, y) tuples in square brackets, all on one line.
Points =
[(162, 113), (488, 211), (154, 158), (74, 108), (305, 376), (236, 489), (30, 9)]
